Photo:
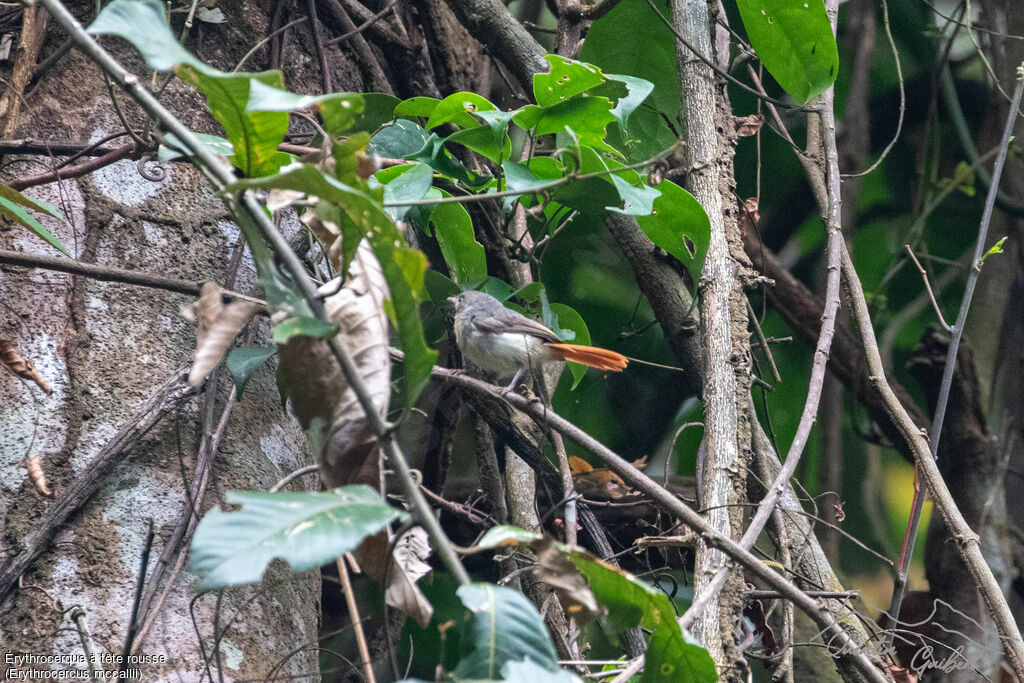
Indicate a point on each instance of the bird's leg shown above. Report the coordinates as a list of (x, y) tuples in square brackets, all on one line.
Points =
[(512, 384)]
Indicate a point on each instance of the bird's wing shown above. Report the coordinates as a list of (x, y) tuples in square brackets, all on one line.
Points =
[(507, 320)]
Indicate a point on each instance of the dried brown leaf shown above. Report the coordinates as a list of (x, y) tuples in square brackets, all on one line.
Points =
[(218, 325), (319, 393), (22, 368), (556, 570), (409, 565), (748, 125), (749, 215), (34, 466)]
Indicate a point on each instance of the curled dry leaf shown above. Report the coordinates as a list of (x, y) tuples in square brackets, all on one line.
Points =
[(749, 215), (748, 125), (218, 325), (555, 569), (409, 565), (24, 369), (34, 466), (319, 393)]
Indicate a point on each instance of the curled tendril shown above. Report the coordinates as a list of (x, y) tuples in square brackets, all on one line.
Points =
[(564, 153), (154, 173)]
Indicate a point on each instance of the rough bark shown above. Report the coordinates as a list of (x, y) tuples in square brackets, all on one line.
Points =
[(723, 311)]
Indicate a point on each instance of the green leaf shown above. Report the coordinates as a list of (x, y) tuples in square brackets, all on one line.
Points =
[(176, 149), (303, 325), (459, 108), (416, 106), (794, 41), (504, 627), (342, 112), (12, 195), (569, 319), (637, 90), (439, 287), (243, 361), (306, 530), (680, 226), (670, 657), (587, 117), (398, 139), (144, 24), (434, 154), (632, 39), (11, 208), (454, 231), (490, 139), (409, 182), (566, 79), (255, 135)]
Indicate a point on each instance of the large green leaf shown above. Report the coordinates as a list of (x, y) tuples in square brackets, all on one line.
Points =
[(794, 40), (566, 79), (631, 39), (12, 207), (454, 231), (254, 135), (403, 267), (504, 627), (680, 226), (306, 530), (398, 139)]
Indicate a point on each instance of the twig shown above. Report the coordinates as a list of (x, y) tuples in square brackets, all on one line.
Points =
[(166, 399), (108, 274), (357, 621), (365, 25), (325, 68), (762, 343), (301, 472), (996, 603), (928, 287), (88, 647), (903, 96), (110, 157), (270, 36), (634, 667), (140, 583)]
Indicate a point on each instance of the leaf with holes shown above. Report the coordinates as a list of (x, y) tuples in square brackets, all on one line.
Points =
[(679, 225)]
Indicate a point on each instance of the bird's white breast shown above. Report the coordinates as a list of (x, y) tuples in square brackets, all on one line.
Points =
[(502, 353)]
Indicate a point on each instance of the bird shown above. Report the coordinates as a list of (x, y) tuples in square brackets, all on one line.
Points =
[(505, 342)]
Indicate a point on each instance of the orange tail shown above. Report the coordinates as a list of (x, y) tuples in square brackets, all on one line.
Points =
[(602, 359)]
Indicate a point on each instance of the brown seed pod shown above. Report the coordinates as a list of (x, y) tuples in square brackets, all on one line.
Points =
[(34, 466), (24, 369)]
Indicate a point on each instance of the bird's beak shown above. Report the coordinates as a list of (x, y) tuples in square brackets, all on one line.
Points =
[(453, 300)]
